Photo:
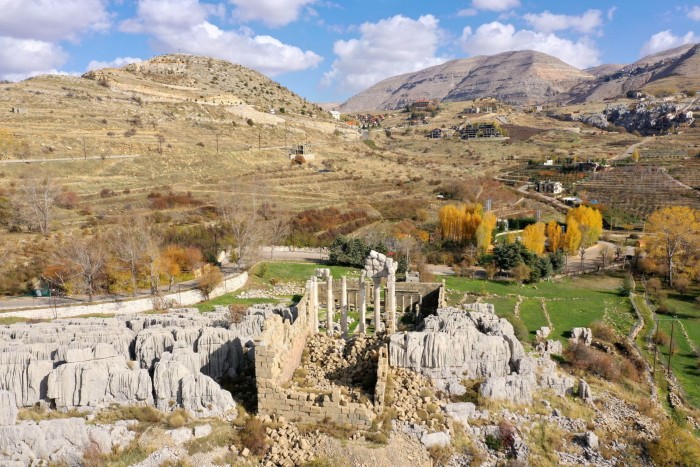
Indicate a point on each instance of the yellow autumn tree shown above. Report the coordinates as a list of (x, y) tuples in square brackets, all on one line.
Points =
[(589, 222), (572, 238), (459, 223), (533, 238), (674, 238), (484, 233), (555, 236)]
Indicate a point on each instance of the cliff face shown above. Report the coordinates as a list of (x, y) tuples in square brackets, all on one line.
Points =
[(521, 77)]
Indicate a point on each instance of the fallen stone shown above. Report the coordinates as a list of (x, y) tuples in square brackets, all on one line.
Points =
[(200, 431), (436, 439)]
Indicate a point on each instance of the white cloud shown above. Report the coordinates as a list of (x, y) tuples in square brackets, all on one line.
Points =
[(387, 48), (586, 23), (30, 32), (21, 58), (182, 25), (665, 40), (468, 12), (694, 13), (495, 5), (611, 13), (51, 20), (271, 12), (495, 37), (116, 63)]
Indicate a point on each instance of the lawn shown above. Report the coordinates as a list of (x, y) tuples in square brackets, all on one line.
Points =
[(231, 299), (299, 273), (570, 302)]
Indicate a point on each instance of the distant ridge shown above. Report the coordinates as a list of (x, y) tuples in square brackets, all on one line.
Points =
[(528, 77)]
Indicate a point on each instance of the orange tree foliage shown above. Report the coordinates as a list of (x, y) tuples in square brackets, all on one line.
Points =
[(590, 223), (533, 238), (572, 239), (555, 236), (484, 233), (458, 223), (674, 238)]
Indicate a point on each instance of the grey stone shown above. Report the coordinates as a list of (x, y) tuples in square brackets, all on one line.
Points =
[(8, 408), (200, 431), (436, 439)]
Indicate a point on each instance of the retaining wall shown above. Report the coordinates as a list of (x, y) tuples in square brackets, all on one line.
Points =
[(128, 306)]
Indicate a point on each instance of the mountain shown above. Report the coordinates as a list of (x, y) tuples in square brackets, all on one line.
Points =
[(519, 77), (670, 71), (528, 77)]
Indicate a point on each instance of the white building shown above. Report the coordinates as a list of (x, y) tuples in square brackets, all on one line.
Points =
[(335, 114)]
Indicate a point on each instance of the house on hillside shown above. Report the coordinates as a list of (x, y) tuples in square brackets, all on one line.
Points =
[(435, 133), (480, 130), (335, 114), (421, 104), (549, 186)]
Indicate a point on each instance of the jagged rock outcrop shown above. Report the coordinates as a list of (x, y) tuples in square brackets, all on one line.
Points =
[(549, 347), (95, 362), (582, 336), (97, 377), (61, 440), (457, 343), (175, 385)]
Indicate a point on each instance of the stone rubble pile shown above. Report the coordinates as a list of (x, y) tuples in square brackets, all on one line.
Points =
[(289, 447), (332, 363), (415, 403)]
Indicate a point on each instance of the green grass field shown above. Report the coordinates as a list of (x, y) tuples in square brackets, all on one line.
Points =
[(570, 302)]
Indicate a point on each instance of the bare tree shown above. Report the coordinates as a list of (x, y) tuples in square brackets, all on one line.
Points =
[(79, 265), (38, 197), (247, 229), (278, 231), (210, 278), (607, 252), (133, 245)]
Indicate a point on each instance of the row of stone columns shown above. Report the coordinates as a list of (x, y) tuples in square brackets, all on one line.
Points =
[(312, 288)]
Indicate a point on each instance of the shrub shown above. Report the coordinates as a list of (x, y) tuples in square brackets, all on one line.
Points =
[(493, 442), (177, 419), (253, 436), (237, 312), (674, 446), (68, 200), (507, 434), (440, 454), (603, 332), (593, 361), (250, 122), (210, 278)]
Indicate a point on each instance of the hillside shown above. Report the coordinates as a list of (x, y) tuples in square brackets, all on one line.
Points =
[(673, 70), (520, 77)]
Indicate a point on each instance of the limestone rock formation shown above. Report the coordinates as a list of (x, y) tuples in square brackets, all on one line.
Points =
[(582, 335), (8, 408), (457, 343)]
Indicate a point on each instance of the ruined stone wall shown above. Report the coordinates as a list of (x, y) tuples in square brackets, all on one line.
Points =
[(382, 377), (278, 352)]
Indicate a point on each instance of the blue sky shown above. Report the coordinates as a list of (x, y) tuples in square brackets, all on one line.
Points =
[(327, 50)]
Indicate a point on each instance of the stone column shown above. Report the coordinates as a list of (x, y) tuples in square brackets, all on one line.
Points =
[(377, 305), (331, 306), (314, 304), (391, 304), (363, 301), (344, 306)]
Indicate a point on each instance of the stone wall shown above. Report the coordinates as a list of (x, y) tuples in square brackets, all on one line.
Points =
[(278, 352), (129, 306)]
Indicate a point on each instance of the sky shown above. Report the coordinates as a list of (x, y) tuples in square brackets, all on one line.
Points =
[(328, 50)]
